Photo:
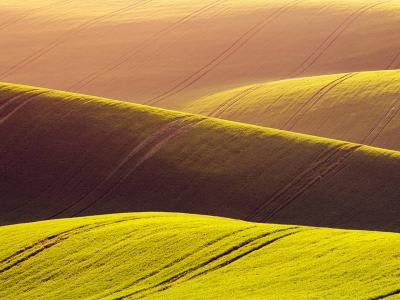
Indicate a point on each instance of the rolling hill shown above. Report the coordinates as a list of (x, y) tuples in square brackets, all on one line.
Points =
[(167, 52), (361, 107), (178, 256), (66, 155), (255, 153)]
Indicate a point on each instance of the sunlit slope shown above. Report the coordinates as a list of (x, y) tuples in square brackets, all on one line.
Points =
[(65, 155), (358, 107), (165, 52), (174, 256)]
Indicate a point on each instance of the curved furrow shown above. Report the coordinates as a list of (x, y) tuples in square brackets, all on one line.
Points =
[(222, 257), (46, 243), (387, 295), (9, 101), (182, 256), (299, 114), (176, 261), (149, 151), (393, 63), (137, 156), (329, 167), (241, 41), (230, 102), (136, 50), (18, 107), (30, 12), (323, 158), (70, 178), (332, 38), (62, 181), (65, 37), (224, 168), (38, 243), (381, 125), (223, 264)]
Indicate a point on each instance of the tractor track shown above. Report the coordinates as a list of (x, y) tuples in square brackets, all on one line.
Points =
[(393, 293), (178, 260), (51, 237), (71, 33), (157, 52), (393, 63), (47, 192), (19, 106), (296, 189), (133, 52), (328, 153), (38, 247), (381, 125), (136, 157), (228, 262), (11, 100), (271, 104), (328, 162), (216, 113), (322, 92), (239, 43), (30, 12), (73, 172), (331, 39), (73, 179), (165, 284)]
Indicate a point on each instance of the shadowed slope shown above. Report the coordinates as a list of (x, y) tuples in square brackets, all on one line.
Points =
[(65, 155), (177, 256), (358, 107), (170, 51)]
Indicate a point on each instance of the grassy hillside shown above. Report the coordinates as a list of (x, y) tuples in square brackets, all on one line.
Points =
[(68, 155), (359, 107), (170, 51), (178, 256)]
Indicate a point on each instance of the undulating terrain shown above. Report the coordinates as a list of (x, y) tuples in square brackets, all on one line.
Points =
[(361, 107), (65, 155), (165, 52), (196, 257), (217, 149)]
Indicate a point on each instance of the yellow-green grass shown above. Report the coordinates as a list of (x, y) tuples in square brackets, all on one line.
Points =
[(181, 256), (66, 155), (358, 107)]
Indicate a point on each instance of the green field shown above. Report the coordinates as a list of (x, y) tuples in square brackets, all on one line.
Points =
[(200, 150), (179, 256), (361, 107), (70, 155)]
